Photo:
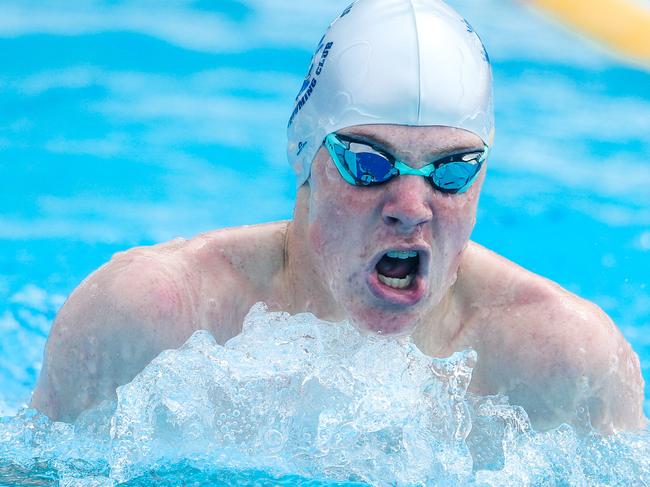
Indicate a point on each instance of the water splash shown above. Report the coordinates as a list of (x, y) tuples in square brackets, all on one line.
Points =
[(294, 397)]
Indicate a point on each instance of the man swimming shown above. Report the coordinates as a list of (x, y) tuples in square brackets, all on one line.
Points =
[(389, 139)]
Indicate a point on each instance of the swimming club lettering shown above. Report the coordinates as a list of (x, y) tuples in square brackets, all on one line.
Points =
[(310, 84), (347, 10)]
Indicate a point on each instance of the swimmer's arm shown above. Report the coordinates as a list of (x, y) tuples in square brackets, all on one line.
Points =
[(615, 399), (109, 329), (556, 355), (579, 368)]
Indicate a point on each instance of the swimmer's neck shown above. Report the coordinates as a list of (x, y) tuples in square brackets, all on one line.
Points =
[(303, 287)]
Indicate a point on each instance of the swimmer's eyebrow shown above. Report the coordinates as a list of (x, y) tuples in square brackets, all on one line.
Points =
[(383, 144)]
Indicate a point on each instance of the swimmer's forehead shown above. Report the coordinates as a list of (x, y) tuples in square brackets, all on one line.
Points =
[(405, 139)]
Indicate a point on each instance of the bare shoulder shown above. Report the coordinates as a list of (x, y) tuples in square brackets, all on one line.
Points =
[(254, 252), (143, 301), (111, 326), (558, 355)]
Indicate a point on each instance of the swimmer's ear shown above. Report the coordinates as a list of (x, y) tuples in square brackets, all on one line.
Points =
[(304, 191), (303, 202)]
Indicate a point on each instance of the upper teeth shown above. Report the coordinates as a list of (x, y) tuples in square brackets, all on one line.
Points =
[(402, 254)]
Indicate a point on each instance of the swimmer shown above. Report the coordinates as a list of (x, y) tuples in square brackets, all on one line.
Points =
[(390, 140)]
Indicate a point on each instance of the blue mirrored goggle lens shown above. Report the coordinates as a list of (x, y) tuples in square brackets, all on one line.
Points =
[(364, 164), (373, 168), (455, 176)]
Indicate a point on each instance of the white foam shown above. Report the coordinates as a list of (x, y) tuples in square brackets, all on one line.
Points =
[(296, 395), (303, 396)]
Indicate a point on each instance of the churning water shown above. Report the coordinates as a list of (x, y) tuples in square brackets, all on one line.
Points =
[(294, 398)]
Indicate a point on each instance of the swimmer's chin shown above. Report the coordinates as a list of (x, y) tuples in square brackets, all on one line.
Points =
[(385, 328)]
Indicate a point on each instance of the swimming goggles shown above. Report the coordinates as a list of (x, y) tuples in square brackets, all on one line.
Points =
[(362, 164)]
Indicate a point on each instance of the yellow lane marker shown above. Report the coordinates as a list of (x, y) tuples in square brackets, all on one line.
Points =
[(620, 24)]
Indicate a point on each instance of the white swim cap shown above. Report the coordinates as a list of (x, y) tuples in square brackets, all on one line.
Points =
[(404, 62)]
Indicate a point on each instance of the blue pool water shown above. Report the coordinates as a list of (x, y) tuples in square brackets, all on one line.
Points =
[(126, 124)]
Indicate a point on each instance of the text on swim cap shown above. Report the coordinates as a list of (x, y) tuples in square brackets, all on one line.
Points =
[(312, 84)]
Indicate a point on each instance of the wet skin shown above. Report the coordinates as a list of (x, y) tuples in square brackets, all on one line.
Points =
[(350, 228), (558, 356)]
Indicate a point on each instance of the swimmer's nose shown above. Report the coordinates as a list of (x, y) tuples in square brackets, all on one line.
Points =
[(407, 203)]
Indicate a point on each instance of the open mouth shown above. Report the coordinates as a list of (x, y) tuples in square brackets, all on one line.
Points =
[(397, 269), (399, 276)]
